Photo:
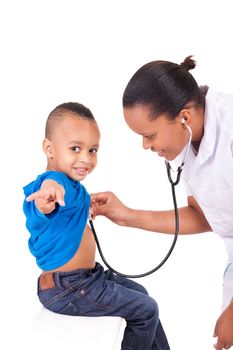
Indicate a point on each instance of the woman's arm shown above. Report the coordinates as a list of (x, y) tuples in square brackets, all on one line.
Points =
[(192, 219), (223, 329)]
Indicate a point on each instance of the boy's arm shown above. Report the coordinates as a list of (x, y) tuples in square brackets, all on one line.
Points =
[(49, 194)]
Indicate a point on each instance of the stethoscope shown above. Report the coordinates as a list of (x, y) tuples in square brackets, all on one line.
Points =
[(177, 225)]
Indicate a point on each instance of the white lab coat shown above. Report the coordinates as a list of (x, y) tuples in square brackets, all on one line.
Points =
[(208, 175)]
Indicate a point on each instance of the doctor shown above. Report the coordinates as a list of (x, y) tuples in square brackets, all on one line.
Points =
[(163, 103)]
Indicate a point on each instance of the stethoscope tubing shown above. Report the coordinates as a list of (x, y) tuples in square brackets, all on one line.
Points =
[(176, 233), (177, 221)]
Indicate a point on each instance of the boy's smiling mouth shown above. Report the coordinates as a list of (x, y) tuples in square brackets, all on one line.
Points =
[(81, 171)]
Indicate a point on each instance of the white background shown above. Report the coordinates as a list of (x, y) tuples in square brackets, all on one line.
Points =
[(59, 51)]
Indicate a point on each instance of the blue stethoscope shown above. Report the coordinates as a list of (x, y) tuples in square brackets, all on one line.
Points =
[(173, 184)]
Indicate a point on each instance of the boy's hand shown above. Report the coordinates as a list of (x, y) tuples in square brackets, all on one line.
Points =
[(46, 198), (224, 329)]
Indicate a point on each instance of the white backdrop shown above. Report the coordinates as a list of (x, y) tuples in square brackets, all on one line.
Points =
[(58, 51)]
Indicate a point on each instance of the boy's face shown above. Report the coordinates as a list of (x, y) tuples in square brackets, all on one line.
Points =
[(73, 147)]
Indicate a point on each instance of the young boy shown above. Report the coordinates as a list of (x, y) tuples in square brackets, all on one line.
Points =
[(56, 208)]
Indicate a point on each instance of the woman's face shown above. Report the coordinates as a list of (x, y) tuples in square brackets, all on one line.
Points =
[(164, 136)]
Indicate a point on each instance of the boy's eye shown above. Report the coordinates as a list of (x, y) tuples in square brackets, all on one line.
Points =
[(93, 150), (75, 149)]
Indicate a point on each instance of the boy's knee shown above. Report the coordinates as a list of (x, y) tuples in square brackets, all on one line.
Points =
[(142, 289), (151, 307)]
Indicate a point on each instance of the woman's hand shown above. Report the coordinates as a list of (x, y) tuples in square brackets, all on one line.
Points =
[(46, 198), (224, 329), (107, 204)]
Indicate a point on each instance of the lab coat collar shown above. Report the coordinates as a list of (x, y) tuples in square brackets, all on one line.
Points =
[(206, 147), (208, 141)]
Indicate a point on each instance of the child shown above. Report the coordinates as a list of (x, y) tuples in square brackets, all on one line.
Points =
[(56, 209)]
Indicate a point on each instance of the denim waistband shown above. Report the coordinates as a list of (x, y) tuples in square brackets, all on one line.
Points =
[(60, 277)]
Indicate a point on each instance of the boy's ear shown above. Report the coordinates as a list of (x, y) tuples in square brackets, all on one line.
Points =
[(48, 148)]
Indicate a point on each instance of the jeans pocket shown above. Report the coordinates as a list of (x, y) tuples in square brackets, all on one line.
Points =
[(55, 298), (69, 309), (98, 296)]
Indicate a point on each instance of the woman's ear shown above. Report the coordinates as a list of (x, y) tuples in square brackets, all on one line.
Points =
[(185, 116), (48, 148)]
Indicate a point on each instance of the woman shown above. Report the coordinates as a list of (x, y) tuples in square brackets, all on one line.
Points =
[(163, 103)]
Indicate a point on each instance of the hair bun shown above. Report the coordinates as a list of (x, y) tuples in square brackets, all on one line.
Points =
[(188, 63)]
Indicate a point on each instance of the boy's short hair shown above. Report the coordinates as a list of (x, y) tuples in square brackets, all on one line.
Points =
[(59, 113)]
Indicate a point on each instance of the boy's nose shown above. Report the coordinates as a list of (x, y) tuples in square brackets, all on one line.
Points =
[(84, 158)]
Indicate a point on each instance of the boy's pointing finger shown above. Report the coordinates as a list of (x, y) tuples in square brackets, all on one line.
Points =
[(60, 198), (33, 196)]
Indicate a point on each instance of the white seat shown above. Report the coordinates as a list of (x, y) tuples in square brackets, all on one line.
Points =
[(54, 331)]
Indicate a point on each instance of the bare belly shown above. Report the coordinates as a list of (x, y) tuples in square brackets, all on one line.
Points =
[(84, 256)]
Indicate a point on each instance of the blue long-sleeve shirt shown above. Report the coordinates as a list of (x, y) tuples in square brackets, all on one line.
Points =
[(54, 238)]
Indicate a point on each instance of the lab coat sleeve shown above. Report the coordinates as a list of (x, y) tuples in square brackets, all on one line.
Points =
[(187, 188)]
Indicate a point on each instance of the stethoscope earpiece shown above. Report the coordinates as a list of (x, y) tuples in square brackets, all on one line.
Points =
[(183, 121)]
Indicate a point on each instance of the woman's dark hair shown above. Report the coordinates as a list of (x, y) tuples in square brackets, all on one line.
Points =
[(164, 87)]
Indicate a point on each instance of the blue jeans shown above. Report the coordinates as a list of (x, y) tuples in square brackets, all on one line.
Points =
[(96, 292)]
